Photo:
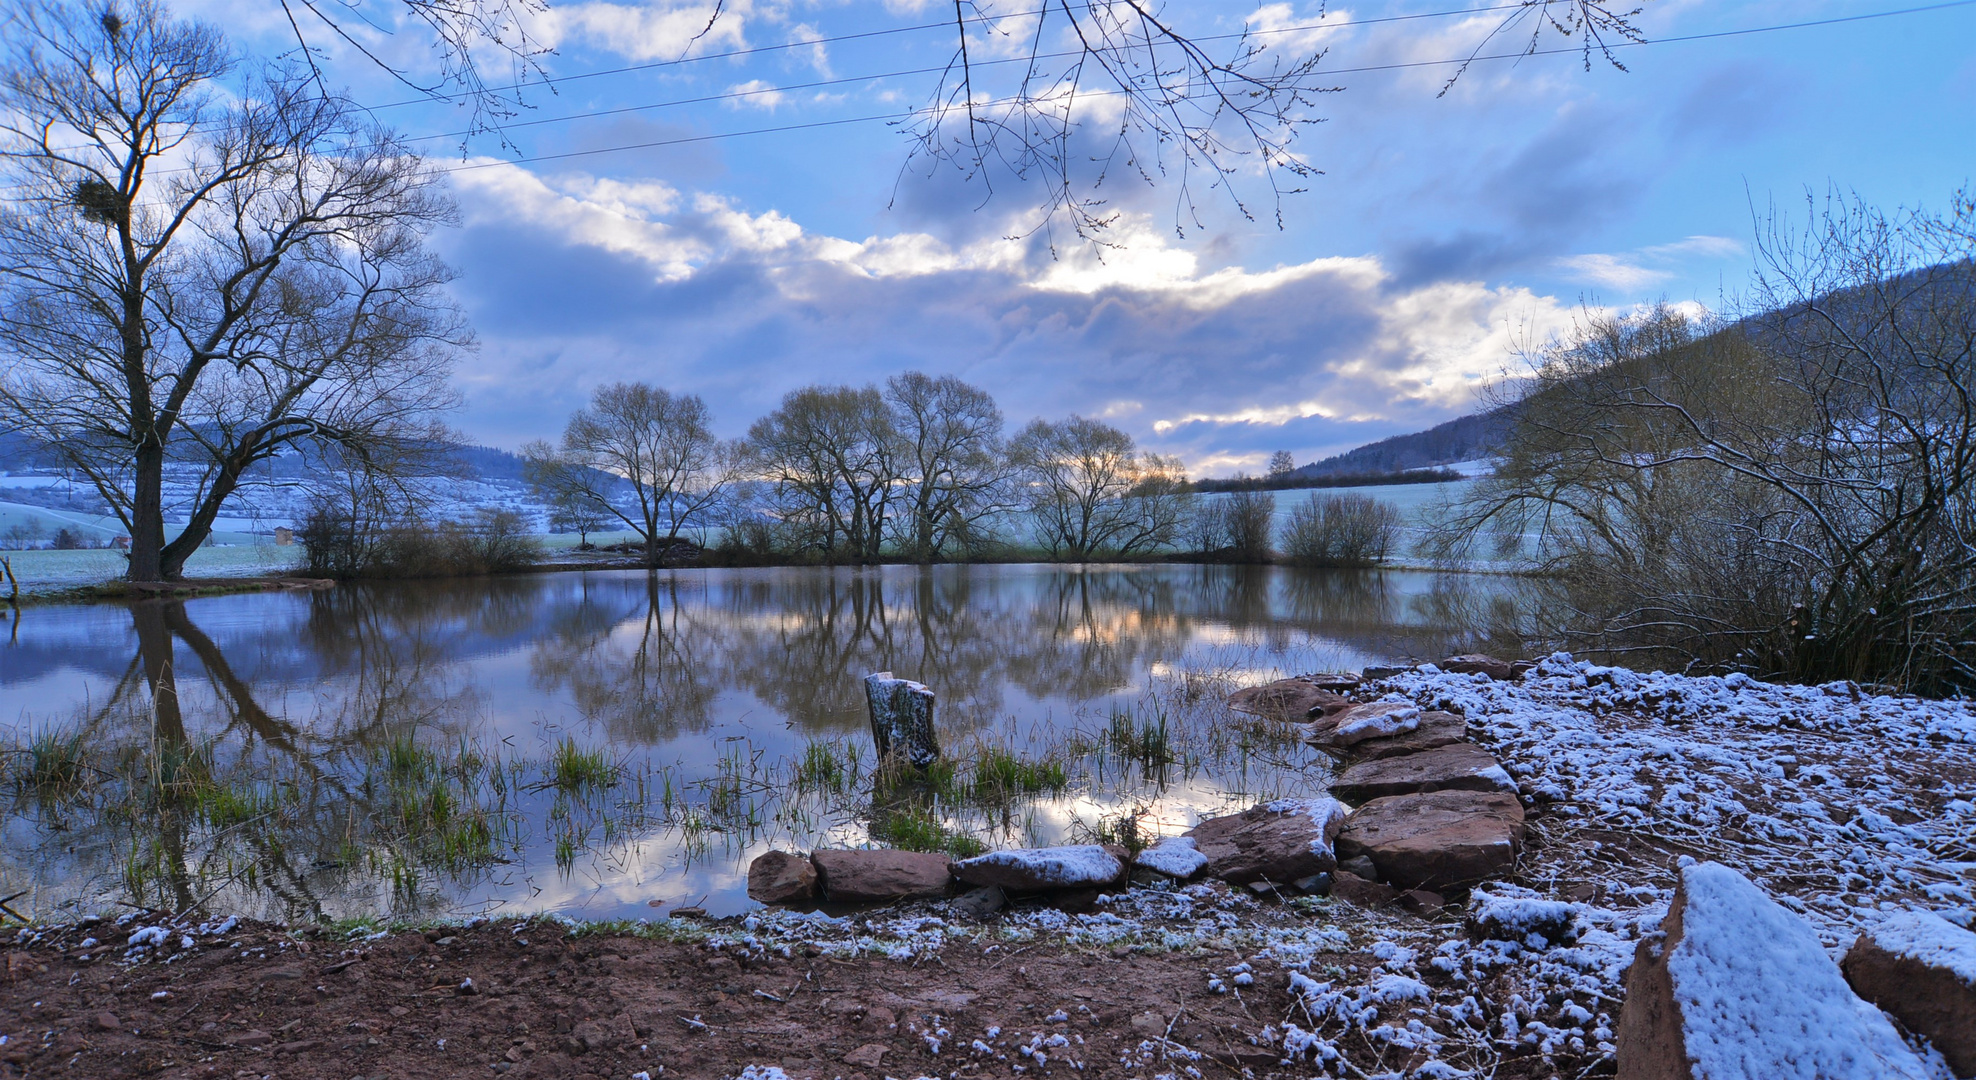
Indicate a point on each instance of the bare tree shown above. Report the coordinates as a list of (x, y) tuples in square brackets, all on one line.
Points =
[(572, 509), (484, 52), (203, 273), (1091, 492), (1060, 94), (1281, 465), (1207, 530), (1792, 494), (659, 445), (953, 462), (1165, 103), (833, 456)]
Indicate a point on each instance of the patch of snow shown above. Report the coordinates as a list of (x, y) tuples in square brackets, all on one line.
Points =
[(1760, 997), (149, 937), (1930, 939), (1072, 865), (1518, 915), (1175, 856), (1329, 814), (1376, 720)]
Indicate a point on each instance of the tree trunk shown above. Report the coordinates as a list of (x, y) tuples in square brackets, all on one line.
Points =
[(199, 526), (902, 719), (147, 513)]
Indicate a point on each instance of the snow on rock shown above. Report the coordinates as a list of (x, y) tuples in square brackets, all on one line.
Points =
[(1436, 729), (1077, 866), (1509, 913), (1377, 719), (149, 937), (1282, 841), (1922, 969), (1838, 800), (1738, 987), (1174, 856)]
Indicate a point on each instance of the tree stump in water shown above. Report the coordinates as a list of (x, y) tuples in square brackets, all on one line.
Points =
[(902, 719)]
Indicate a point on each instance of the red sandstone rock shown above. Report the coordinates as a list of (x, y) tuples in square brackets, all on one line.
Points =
[(779, 877), (1288, 700), (1436, 839), (1737, 986), (1471, 663), (1454, 767), (1282, 841), (857, 876), (1436, 729), (1354, 889), (1922, 969)]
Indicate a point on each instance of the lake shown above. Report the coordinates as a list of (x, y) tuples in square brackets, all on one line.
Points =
[(614, 744)]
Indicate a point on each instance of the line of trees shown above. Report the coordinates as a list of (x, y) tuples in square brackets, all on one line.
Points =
[(919, 468)]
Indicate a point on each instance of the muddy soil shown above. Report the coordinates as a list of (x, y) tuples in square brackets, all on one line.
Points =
[(530, 999)]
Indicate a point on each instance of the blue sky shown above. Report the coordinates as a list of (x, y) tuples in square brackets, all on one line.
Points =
[(1443, 231)]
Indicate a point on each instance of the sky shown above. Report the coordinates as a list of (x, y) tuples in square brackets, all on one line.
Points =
[(690, 244)]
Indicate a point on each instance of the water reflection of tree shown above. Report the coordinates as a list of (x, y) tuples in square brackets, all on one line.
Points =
[(193, 800), (648, 685)]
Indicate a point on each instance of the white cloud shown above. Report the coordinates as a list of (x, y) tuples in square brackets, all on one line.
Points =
[(754, 94), (1215, 362), (653, 31), (1646, 267)]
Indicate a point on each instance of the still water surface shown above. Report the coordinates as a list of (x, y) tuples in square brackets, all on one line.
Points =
[(614, 744)]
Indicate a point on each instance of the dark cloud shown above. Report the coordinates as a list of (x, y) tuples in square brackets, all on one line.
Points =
[(1213, 366)]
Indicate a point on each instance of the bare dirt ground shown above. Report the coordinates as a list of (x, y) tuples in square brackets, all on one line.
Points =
[(262, 1002)]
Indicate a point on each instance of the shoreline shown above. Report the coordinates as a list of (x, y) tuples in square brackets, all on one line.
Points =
[(116, 590)]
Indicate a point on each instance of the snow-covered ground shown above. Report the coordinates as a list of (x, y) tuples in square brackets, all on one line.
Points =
[(1846, 807)]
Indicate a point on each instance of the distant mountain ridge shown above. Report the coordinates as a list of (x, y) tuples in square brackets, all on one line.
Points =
[(1462, 439)]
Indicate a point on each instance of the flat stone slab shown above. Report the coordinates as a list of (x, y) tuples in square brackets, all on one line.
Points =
[(1077, 866), (1436, 729), (1735, 985), (858, 876), (1286, 840), (1461, 766), (1921, 968), (1436, 839), (1287, 700), (780, 877)]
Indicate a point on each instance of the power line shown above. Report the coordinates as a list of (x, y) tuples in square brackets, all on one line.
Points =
[(1401, 66), (1323, 24), (943, 24), (737, 94), (896, 116)]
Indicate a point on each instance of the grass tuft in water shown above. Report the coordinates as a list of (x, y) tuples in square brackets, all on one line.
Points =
[(914, 828), (1144, 740), (827, 766), (572, 768), (999, 774)]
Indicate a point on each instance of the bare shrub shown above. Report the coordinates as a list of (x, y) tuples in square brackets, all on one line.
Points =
[(1251, 520), (1341, 530), (1788, 495), (341, 544)]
